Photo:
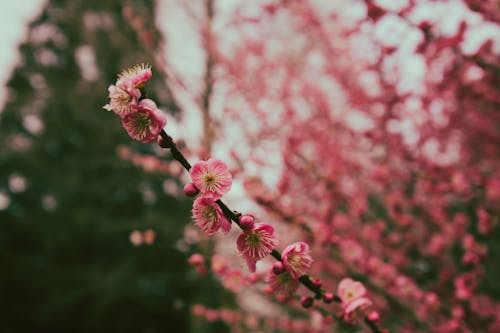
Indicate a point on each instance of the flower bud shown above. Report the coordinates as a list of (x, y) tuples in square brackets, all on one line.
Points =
[(247, 222), (328, 298), (278, 268), (196, 259), (316, 283), (306, 301), (190, 190), (373, 316)]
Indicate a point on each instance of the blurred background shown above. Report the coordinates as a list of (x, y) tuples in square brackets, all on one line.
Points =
[(369, 129), (68, 202)]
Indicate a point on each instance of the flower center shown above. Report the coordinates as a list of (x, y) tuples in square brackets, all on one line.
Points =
[(209, 179), (141, 125), (253, 240), (294, 261), (209, 213)]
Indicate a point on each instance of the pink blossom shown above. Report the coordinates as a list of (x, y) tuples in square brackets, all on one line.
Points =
[(352, 294), (136, 76), (123, 99), (234, 280), (296, 259), (256, 243), (145, 123), (212, 178), (283, 284), (348, 290), (209, 217), (358, 303)]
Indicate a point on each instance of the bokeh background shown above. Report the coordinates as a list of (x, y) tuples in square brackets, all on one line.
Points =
[(68, 201), (338, 119)]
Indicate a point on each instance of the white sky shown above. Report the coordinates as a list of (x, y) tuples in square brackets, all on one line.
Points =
[(14, 17)]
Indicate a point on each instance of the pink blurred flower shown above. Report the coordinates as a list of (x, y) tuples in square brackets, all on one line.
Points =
[(149, 236), (218, 264), (256, 243), (136, 76), (196, 259), (234, 280), (493, 188), (283, 284), (212, 178), (356, 304), (296, 259), (352, 297), (145, 123), (348, 290), (198, 310), (136, 238), (209, 217)]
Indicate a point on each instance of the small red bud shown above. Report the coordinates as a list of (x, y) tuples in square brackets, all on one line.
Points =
[(373, 316), (328, 298), (196, 259), (306, 301), (278, 268), (190, 190), (247, 222), (317, 283)]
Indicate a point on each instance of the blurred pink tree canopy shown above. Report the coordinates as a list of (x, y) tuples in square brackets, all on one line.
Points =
[(369, 129)]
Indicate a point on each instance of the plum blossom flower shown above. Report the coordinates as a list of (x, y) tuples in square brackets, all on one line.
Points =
[(125, 94), (352, 297), (283, 284), (145, 123), (123, 99), (136, 76), (256, 243), (209, 217), (212, 178), (234, 280), (349, 290), (296, 259)]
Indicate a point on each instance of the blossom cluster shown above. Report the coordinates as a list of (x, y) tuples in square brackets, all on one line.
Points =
[(140, 116), (210, 181)]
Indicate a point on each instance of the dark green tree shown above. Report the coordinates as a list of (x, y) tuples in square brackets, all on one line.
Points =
[(67, 263)]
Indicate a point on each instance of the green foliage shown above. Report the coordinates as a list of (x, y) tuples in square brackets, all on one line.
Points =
[(67, 263)]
